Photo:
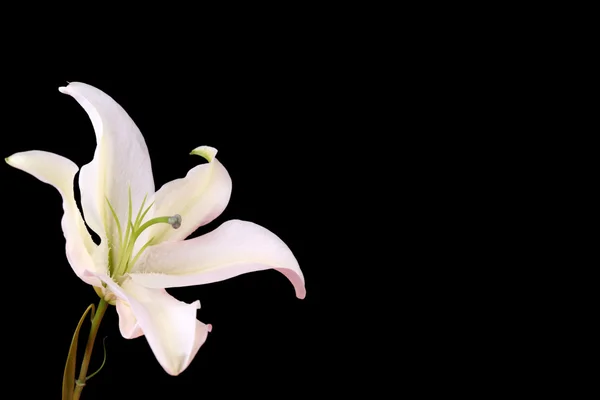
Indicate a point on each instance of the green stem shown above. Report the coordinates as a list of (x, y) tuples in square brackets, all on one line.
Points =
[(89, 347)]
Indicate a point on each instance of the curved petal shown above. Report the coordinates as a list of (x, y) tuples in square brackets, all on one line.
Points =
[(60, 172), (170, 326), (121, 161), (128, 325), (199, 198), (236, 247)]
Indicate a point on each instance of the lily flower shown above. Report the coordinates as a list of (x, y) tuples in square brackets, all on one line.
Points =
[(142, 249)]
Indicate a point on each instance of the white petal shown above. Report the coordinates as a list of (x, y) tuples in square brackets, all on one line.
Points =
[(60, 172), (236, 247), (198, 198), (128, 325), (120, 161), (170, 326)]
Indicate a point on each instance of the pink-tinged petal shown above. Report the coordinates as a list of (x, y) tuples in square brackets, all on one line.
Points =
[(236, 247), (199, 198), (128, 325), (60, 172), (170, 326), (120, 161), (199, 339)]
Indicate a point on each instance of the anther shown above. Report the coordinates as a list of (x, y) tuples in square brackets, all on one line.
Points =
[(175, 221)]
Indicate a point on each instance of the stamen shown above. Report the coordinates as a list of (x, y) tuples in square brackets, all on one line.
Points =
[(129, 230), (175, 221), (128, 238), (144, 214), (139, 253), (138, 220), (114, 214)]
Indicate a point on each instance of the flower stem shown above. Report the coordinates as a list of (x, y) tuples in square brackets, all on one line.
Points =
[(102, 305)]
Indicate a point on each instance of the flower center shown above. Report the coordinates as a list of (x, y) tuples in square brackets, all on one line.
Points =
[(125, 258)]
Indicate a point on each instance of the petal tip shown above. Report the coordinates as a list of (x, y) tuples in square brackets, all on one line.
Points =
[(13, 160), (68, 89), (206, 152)]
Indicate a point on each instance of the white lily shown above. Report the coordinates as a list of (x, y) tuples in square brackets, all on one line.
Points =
[(142, 249)]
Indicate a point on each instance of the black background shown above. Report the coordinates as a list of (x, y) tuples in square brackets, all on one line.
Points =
[(344, 145), (273, 121), (351, 138)]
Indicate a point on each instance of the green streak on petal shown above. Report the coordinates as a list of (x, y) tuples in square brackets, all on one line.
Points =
[(206, 152)]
